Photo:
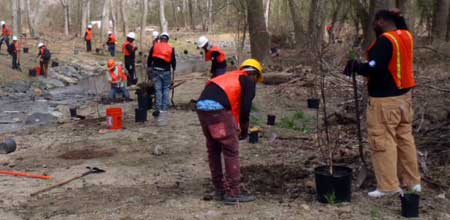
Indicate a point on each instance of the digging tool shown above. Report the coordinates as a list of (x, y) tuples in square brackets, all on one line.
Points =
[(173, 88), (362, 175), (35, 176), (91, 170)]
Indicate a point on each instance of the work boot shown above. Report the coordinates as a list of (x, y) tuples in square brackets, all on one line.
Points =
[(228, 200), (378, 194)]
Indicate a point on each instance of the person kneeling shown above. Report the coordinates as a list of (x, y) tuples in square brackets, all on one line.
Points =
[(118, 80)]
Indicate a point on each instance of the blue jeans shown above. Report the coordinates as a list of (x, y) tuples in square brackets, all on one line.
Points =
[(115, 90), (112, 49), (162, 80)]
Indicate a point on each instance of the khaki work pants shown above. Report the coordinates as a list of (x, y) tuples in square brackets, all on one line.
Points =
[(394, 157)]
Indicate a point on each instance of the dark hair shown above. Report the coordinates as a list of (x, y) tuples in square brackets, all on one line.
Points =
[(396, 18)]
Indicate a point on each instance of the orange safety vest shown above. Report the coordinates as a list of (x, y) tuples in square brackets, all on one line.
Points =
[(112, 39), (162, 50), (16, 48), (88, 34), (115, 77), (401, 64), (125, 50), (231, 85), (6, 31), (221, 58)]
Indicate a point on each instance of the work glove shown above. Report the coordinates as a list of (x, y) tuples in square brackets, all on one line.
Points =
[(351, 67), (244, 131)]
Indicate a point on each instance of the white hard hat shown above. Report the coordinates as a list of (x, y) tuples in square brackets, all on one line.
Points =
[(14, 37), (155, 34), (131, 35), (89, 26), (165, 34), (2, 22), (40, 44), (109, 32), (202, 41)]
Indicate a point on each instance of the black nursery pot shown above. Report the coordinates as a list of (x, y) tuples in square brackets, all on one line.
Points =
[(97, 50), (73, 112), (334, 188), (253, 137), (25, 50), (313, 103), (8, 146), (410, 205), (55, 64), (271, 119), (32, 72), (140, 53), (140, 115)]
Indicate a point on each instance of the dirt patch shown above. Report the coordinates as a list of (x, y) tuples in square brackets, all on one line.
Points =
[(86, 154), (276, 181)]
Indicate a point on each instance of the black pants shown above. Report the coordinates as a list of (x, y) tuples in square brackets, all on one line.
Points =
[(6, 40), (88, 46), (15, 65), (131, 68)]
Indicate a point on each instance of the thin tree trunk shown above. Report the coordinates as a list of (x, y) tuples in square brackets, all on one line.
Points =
[(210, 15), (19, 17), (267, 13), (175, 13), (84, 16), (105, 20), (191, 15), (375, 5), (113, 15), (143, 23), (29, 16), (316, 24), (88, 11), (440, 19), (15, 21), (298, 24), (162, 17), (408, 8), (185, 14), (259, 37), (65, 7), (124, 15)]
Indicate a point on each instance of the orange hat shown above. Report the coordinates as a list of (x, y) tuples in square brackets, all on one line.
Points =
[(111, 64)]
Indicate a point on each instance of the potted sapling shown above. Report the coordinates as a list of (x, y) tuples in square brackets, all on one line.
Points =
[(333, 183), (410, 204)]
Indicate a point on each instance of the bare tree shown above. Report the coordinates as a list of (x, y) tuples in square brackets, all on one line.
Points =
[(408, 9), (298, 23), (440, 19), (124, 16), (267, 13), (143, 23), (316, 24), (84, 15), (259, 37), (65, 5), (105, 20), (162, 16), (30, 17), (15, 17), (191, 15), (113, 15)]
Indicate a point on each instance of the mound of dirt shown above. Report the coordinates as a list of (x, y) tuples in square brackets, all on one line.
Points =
[(86, 154)]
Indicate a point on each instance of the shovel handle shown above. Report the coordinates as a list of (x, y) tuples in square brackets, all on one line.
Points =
[(35, 176), (56, 185)]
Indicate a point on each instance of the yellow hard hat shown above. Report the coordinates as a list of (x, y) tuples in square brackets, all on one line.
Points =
[(255, 64)]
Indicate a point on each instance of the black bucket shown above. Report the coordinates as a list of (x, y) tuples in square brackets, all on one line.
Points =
[(253, 137), (144, 100), (25, 50), (140, 53), (313, 103), (73, 112), (334, 188), (410, 205), (271, 119), (8, 146), (98, 50), (32, 72), (55, 64), (141, 115)]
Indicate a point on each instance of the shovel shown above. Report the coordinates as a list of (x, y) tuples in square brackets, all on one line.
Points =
[(362, 175), (173, 88), (91, 170)]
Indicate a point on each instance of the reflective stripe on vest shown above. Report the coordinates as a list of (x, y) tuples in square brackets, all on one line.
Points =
[(221, 58), (125, 50), (163, 50), (231, 85), (401, 63), (88, 34)]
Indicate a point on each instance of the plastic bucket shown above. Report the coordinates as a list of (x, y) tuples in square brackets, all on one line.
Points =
[(334, 188), (271, 119), (140, 115), (253, 137), (114, 118), (73, 112), (313, 103), (410, 205)]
